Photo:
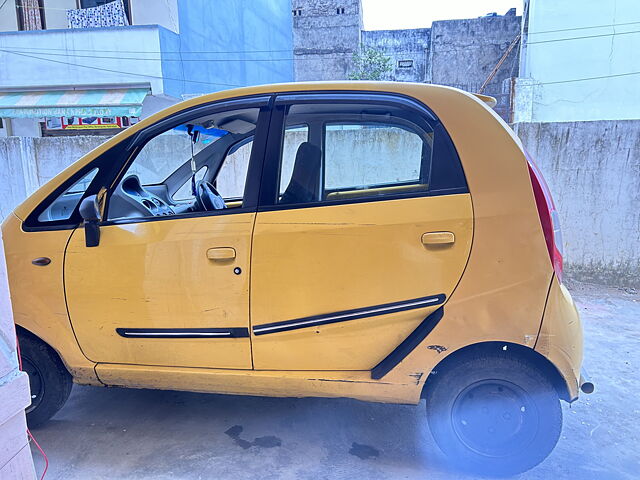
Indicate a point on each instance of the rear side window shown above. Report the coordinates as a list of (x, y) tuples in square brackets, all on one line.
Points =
[(369, 159), (363, 152)]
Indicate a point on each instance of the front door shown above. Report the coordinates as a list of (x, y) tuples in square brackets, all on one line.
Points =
[(170, 286), (364, 229)]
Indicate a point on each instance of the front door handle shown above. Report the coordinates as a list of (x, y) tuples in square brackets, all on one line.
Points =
[(221, 254), (438, 238), (41, 261)]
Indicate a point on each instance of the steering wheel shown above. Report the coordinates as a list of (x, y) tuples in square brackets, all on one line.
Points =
[(207, 197)]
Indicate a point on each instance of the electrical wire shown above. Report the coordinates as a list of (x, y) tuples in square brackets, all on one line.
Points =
[(583, 28), (164, 59), (11, 49), (615, 75), (35, 50), (529, 33), (46, 8), (143, 51), (158, 77), (613, 34), (31, 437), (237, 85)]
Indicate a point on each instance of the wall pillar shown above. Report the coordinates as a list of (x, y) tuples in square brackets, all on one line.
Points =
[(523, 94), (15, 455)]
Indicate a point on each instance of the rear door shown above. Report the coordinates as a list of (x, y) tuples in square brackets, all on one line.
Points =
[(364, 228)]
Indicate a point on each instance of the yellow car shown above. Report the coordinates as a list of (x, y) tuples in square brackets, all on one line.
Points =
[(388, 242)]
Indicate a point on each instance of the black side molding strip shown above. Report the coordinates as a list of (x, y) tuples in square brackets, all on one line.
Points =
[(407, 346), (183, 332), (347, 315)]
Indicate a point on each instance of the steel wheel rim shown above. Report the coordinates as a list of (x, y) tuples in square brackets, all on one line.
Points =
[(36, 383), (494, 418)]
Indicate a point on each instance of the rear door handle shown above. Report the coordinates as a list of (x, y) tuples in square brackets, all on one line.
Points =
[(438, 238), (220, 254)]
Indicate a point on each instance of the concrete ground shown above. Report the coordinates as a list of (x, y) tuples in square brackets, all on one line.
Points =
[(144, 434)]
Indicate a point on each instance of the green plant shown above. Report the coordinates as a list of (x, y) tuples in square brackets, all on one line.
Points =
[(369, 64)]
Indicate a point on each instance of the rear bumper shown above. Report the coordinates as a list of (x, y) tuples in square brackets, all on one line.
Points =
[(560, 339)]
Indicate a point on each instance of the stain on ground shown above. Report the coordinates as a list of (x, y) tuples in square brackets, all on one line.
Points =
[(363, 451), (268, 441)]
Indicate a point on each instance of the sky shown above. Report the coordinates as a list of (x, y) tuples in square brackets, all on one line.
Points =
[(396, 14)]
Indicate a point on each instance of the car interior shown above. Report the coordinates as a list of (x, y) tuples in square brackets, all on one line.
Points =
[(213, 140)]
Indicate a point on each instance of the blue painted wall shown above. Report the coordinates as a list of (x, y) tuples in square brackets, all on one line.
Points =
[(228, 43)]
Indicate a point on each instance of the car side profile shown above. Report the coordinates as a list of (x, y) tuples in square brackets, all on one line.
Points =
[(380, 241)]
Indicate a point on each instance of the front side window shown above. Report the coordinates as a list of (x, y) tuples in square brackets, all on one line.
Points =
[(62, 207), (197, 166), (232, 178), (353, 151)]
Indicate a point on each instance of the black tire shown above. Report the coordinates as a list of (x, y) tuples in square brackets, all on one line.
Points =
[(49, 380), (493, 413)]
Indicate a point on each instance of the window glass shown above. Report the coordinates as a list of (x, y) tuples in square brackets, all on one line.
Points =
[(158, 182), (350, 151), (232, 177), (63, 206), (185, 192), (358, 156), (293, 137), (164, 153)]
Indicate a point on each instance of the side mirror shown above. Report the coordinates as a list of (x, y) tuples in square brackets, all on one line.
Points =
[(90, 212)]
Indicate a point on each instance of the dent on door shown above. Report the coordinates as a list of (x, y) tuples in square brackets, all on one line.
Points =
[(339, 287)]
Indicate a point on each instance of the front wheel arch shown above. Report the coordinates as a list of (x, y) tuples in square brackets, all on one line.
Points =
[(21, 331), (50, 382), (542, 363)]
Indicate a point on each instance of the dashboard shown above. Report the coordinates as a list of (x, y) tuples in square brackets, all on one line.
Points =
[(153, 204), (132, 200)]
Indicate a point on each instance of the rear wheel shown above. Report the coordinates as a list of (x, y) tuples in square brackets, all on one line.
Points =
[(493, 413), (49, 381)]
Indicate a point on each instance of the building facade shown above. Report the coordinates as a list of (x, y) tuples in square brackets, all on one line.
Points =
[(408, 49), (69, 60), (326, 34), (578, 114), (459, 53), (579, 61)]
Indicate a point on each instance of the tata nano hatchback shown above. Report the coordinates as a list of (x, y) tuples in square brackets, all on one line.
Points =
[(388, 242)]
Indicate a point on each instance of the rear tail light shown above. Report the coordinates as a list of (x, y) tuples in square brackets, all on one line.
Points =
[(548, 217)]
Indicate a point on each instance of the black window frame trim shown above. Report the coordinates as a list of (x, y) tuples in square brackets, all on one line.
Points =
[(110, 173), (269, 187)]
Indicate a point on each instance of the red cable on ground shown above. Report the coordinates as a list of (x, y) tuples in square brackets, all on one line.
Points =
[(32, 438)]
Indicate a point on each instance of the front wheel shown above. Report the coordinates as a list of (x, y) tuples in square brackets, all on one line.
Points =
[(49, 381), (493, 413)]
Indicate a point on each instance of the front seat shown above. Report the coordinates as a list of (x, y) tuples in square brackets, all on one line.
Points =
[(305, 178)]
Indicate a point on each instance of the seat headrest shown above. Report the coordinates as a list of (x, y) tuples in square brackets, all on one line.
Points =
[(308, 152)]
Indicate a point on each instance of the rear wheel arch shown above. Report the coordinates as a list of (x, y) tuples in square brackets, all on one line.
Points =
[(527, 354)]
